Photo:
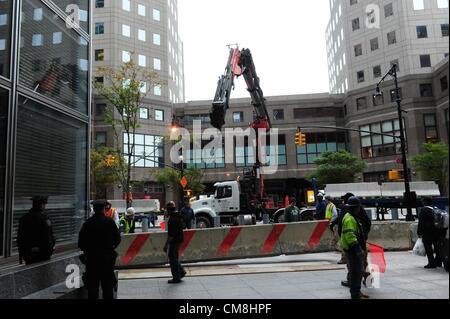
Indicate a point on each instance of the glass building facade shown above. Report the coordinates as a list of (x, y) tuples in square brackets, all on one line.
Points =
[(44, 115)]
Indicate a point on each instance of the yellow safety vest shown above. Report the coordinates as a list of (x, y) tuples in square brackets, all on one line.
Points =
[(329, 211)]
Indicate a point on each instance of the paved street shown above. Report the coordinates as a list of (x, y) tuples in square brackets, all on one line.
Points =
[(293, 277)]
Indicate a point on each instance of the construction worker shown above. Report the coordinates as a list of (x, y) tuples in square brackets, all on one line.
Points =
[(320, 207), (98, 240), (330, 210), (353, 242), (112, 213), (292, 212), (127, 223)]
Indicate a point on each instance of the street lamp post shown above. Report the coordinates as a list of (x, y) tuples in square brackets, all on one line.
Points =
[(407, 196)]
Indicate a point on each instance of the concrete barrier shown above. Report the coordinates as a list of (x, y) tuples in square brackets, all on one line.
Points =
[(145, 249)]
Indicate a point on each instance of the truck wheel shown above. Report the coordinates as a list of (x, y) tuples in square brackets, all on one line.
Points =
[(203, 222)]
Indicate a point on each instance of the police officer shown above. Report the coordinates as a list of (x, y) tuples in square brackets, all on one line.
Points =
[(35, 235), (98, 239), (321, 207), (174, 239), (353, 242)]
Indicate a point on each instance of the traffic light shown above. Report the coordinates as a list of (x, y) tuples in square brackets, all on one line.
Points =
[(394, 175), (300, 139)]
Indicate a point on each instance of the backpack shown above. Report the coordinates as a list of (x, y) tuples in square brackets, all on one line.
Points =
[(440, 218)]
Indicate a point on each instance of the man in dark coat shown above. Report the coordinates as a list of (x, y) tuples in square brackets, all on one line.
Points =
[(430, 235), (35, 235), (98, 240), (174, 240), (187, 213)]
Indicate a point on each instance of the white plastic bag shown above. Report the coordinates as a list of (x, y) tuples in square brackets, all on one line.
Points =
[(419, 248)]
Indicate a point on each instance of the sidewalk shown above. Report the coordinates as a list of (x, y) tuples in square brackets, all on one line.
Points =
[(405, 278)]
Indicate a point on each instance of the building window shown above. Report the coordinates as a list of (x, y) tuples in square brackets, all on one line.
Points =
[(442, 4), (57, 37), (396, 63), (99, 79), (238, 117), (142, 60), (360, 76), (126, 30), (141, 35), (444, 29), (358, 50), (156, 15), (99, 28), (37, 40), (143, 113), (319, 143), (394, 95), (141, 10), (100, 109), (206, 157), (156, 64), (377, 71), (126, 5), (100, 139), (418, 5), (157, 90), (148, 150), (156, 39), (374, 44), (159, 115), (378, 99), (425, 61), (99, 3), (426, 90), (126, 56), (391, 37), (361, 103), (388, 10), (355, 24), (444, 83), (99, 55), (143, 87), (278, 115), (352, 2), (38, 14), (375, 145), (431, 134), (422, 31)]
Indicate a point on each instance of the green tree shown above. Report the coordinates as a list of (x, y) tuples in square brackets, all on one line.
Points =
[(337, 167), (125, 89), (432, 164), (170, 176)]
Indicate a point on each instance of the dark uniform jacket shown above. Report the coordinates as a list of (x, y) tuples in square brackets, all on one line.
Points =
[(98, 239), (175, 228), (35, 236), (426, 226)]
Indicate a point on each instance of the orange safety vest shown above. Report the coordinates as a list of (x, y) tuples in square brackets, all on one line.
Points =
[(110, 213)]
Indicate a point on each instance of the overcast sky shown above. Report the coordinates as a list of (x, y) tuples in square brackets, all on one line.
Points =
[(286, 38)]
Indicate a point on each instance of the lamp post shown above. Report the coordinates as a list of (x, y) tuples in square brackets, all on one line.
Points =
[(407, 196)]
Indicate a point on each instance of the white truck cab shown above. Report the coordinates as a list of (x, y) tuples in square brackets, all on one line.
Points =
[(225, 204)]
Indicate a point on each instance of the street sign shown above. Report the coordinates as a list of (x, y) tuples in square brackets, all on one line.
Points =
[(183, 182)]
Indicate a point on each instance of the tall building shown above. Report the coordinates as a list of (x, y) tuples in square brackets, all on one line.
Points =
[(147, 29), (365, 37), (44, 117)]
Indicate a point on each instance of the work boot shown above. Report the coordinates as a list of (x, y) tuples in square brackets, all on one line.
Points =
[(174, 281), (345, 283), (364, 296), (183, 274), (429, 266)]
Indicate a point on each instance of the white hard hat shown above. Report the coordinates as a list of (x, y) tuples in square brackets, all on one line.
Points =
[(130, 211)]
